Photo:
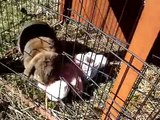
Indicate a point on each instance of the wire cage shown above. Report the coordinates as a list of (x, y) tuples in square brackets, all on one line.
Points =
[(73, 25)]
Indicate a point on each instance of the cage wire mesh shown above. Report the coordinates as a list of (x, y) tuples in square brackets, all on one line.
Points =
[(141, 104)]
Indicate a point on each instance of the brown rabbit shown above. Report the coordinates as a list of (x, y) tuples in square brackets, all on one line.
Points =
[(39, 55)]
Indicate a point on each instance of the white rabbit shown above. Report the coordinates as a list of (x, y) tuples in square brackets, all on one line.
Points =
[(56, 90), (90, 63)]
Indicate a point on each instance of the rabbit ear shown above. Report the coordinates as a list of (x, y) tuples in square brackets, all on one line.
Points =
[(29, 70)]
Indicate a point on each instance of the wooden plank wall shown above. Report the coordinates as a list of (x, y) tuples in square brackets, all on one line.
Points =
[(141, 44), (99, 13)]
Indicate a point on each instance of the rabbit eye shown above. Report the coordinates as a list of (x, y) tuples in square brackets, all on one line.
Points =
[(89, 60)]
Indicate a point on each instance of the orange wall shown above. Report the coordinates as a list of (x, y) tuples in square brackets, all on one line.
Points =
[(96, 14), (115, 18), (143, 39)]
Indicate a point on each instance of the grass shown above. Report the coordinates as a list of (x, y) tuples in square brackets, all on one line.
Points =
[(13, 107)]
